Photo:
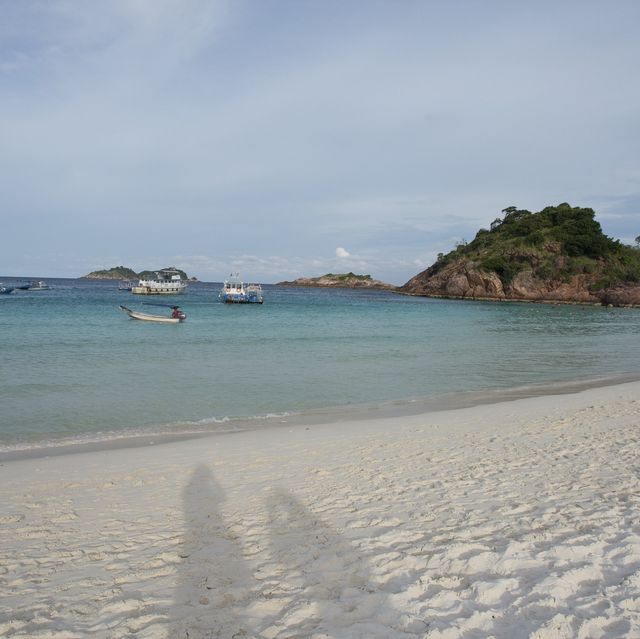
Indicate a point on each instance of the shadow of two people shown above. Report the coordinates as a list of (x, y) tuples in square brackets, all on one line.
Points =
[(310, 575)]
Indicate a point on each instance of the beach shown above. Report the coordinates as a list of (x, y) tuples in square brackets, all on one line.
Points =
[(508, 520)]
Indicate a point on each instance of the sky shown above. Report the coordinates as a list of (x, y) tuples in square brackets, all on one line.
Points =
[(291, 138)]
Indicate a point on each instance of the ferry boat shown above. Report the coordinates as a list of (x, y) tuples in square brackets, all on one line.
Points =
[(168, 282), (235, 291)]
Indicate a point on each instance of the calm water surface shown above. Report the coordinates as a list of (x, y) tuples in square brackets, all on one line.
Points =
[(74, 367)]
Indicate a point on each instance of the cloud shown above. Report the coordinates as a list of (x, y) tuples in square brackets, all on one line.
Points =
[(291, 129)]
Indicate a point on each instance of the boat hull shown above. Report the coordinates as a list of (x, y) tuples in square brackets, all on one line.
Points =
[(147, 290), (237, 299)]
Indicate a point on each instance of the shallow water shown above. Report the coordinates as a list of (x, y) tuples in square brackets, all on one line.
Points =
[(75, 368)]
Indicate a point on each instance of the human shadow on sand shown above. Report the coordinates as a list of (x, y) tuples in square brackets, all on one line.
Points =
[(212, 574), (324, 578), (305, 579)]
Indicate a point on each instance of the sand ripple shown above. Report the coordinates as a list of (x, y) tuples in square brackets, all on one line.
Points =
[(520, 520)]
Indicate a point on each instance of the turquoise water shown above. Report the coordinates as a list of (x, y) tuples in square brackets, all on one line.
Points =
[(74, 367)]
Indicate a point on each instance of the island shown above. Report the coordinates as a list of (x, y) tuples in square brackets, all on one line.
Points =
[(340, 280), (559, 254), (126, 273)]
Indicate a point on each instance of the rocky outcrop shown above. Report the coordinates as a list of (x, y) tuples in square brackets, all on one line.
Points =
[(461, 280), (558, 254), (464, 279), (115, 273), (126, 273), (621, 296), (342, 280)]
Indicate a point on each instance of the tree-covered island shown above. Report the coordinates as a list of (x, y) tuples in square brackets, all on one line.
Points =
[(126, 273), (559, 254), (340, 280)]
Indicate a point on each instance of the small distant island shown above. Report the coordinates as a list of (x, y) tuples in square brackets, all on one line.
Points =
[(559, 254), (340, 280), (126, 273)]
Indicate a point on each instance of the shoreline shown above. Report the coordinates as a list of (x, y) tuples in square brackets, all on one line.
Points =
[(399, 408), (517, 519), (519, 300)]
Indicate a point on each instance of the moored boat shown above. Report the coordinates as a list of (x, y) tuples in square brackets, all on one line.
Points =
[(125, 285), (177, 315), (235, 291), (168, 281), (38, 286)]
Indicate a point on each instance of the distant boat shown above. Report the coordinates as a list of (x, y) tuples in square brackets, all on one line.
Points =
[(125, 285), (235, 291), (38, 286), (176, 316), (168, 282), (6, 290)]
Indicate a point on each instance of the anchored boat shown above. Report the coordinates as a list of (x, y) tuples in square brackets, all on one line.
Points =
[(235, 291), (177, 315), (168, 282), (31, 286), (125, 285), (38, 286)]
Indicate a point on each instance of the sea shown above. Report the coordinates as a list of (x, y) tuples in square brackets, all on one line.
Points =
[(77, 371)]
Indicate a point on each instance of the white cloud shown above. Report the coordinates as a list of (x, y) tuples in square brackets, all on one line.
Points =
[(342, 253)]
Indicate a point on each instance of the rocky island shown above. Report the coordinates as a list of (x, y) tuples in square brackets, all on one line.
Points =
[(125, 273), (559, 254), (340, 280), (115, 273)]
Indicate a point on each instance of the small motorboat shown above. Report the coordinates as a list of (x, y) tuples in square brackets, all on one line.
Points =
[(37, 286), (6, 290), (126, 285), (177, 315)]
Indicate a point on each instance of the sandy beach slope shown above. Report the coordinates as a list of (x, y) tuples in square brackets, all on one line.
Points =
[(519, 519)]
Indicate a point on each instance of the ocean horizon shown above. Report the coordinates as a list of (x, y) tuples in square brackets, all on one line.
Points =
[(76, 370)]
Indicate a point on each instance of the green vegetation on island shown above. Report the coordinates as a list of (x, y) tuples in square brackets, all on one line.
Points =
[(145, 275), (126, 273), (344, 277), (339, 280), (115, 273), (524, 240), (559, 253)]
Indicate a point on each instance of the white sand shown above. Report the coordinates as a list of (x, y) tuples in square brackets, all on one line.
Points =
[(520, 519)]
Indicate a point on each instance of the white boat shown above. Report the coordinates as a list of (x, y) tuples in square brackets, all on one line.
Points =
[(38, 286), (168, 282), (125, 285), (235, 291), (176, 316)]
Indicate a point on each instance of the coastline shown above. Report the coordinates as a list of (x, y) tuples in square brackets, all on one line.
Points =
[(517, 518), (519, 300), (398, 408)]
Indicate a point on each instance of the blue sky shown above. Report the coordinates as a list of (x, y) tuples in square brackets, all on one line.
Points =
[(290, 138)]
